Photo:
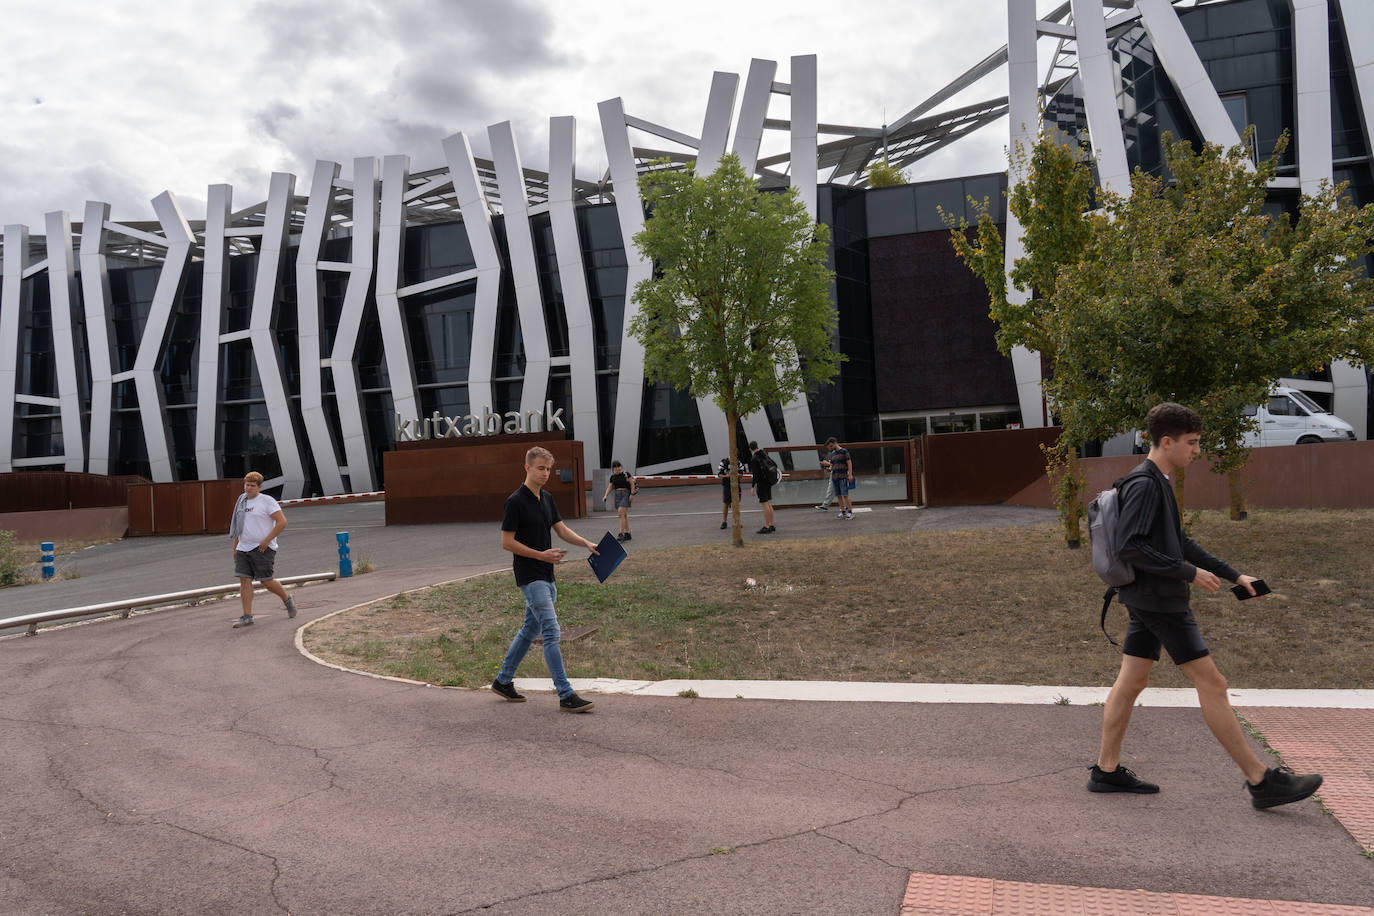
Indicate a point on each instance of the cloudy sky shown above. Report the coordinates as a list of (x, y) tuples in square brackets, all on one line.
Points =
[(118, 103)]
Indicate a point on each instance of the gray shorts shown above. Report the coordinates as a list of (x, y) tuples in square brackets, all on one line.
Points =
[(255, 564), (622, 498)]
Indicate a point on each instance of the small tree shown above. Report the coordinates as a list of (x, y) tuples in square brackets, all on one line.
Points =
[(1050, 202), (739, 307), (1191, 290), (882, 174)]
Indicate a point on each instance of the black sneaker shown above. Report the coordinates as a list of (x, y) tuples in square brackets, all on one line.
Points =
[(508, 691), (574, 703), (290, 607), (723, 526), (1119, 780), (772, 528), (245, 620), (629, 537), (1281, 786)]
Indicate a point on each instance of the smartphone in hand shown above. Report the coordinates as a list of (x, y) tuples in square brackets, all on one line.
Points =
[(1259, 585)]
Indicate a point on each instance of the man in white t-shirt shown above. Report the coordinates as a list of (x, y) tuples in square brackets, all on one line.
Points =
[(257, 521)]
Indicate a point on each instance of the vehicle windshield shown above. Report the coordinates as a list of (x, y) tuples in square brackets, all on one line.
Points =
[(1311, 405)]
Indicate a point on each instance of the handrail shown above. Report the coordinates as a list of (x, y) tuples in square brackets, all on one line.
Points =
[(126, 605)]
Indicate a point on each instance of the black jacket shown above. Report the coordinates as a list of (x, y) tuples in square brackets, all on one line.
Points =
[(1152, 540)]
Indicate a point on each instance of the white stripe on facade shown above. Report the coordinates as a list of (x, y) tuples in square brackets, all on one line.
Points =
[(95, 297), (309, 318), (572, 279)]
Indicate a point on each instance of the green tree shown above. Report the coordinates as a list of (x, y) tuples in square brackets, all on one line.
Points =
[(1191, 290), (739, 307), (882, 174), (1051, 203)]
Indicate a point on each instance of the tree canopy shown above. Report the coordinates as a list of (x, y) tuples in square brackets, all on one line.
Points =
[(739, 307), (1193, 289)]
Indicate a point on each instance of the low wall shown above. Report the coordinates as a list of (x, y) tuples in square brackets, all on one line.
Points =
[(469, 479), (1332, 475), (103, 523), (37, 491), (191, 507), (983, 468)]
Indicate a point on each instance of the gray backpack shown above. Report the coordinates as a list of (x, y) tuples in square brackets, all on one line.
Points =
[(1103, 512)]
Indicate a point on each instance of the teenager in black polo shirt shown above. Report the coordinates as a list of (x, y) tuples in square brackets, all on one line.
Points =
[(530, 517)]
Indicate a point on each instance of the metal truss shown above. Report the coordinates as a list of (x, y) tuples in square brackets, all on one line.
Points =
[(381, 199)]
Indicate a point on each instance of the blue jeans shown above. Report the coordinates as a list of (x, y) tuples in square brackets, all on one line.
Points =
[(540, 620)]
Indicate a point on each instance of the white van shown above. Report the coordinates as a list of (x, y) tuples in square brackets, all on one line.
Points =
[(1292, 418)]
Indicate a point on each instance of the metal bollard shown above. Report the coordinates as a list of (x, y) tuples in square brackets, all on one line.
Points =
[(48, 571), (345, 562)]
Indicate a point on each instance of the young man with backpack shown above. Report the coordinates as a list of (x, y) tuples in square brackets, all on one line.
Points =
[(765, 473), (1150, 538)]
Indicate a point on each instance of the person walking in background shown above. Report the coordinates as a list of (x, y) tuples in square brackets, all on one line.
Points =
[(727, 498), (530, 517), (1151, 539), (256, 522), (761, 466), (624, 487), (841, 476), (829, 497)]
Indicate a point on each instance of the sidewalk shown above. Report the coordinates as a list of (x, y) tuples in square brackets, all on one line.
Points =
[(167, 763)]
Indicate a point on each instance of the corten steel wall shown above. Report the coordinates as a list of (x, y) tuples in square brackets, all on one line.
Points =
[(932, 312), (468, 480), (983, 468), (1006, 466), (193, 507), (39, 491)]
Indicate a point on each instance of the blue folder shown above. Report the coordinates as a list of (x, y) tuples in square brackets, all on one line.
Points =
[(608, 556)]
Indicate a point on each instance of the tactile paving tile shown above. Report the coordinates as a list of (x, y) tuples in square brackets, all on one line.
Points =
[(957, 895), (1339, 744)]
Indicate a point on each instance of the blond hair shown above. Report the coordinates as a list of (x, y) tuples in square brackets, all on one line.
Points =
[(253, 477), (536, 453)]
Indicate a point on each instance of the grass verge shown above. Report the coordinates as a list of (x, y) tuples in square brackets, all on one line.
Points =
[(972, 606)]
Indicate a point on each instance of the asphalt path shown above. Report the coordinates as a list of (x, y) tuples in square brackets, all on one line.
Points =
[(169, 764)]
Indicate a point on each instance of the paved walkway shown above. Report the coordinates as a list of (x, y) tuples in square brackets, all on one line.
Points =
[(167, 763)]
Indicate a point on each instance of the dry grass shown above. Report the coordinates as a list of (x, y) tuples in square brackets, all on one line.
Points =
[(973, 606)]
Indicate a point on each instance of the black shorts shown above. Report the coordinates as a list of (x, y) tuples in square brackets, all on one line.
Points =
[(725, 496), (1178, 633), (255, 564), (764, 491)]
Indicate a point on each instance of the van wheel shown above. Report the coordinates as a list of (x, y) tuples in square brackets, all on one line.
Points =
[(1309, 440)]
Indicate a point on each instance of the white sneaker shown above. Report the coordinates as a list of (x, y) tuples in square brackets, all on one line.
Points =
[(822, 508), (849, 515)]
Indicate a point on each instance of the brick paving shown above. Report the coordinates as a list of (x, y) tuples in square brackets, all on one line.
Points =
[(1339, 744), (957, 895)]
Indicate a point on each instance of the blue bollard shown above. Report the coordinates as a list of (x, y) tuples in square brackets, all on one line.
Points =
[(345, 563), (48, 571)]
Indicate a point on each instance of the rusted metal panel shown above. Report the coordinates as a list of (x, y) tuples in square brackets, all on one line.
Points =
[(459, 480)]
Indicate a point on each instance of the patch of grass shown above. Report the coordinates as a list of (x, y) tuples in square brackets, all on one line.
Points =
[(689, 693), (965, 606)]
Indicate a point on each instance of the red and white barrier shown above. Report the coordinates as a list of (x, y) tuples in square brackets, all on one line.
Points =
[(341, 498)]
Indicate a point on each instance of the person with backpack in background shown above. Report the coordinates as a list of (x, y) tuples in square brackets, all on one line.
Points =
[(727, 498), (624, 487), (765, 473), (1149, 537), (841, 476)]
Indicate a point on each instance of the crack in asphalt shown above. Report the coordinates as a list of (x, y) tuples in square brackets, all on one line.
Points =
[(766, 841)]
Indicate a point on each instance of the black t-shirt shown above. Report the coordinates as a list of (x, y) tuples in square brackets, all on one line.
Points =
[(620, 481), (532, 520)]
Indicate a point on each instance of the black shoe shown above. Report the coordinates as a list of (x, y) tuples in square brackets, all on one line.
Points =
[(574, 703), (1119, 780), (628, 537), (772, 528), (1281, 786), (764, 530), (507, 690), (723, 526)]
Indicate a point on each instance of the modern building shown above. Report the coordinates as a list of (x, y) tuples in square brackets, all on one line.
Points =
[(303, 335)]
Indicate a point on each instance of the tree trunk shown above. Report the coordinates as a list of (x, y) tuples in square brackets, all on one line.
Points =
[(1238, 513), (737, 530)]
